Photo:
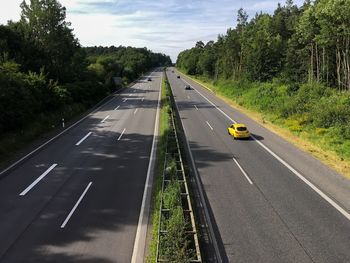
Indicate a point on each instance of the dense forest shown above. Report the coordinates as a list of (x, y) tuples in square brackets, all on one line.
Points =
[(46, 75), (292, 65), (310, 43), (125, 62)]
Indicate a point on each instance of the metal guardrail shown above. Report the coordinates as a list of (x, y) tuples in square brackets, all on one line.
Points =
[(191, 233)]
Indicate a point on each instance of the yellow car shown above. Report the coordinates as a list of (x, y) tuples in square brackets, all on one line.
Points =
[(238, 131)]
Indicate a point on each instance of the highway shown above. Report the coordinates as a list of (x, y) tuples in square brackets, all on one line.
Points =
[(85, 196), (267, 200)]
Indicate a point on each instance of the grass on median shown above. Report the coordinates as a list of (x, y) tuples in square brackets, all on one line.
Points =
[(265, 103), (157, 188), (174, 244)]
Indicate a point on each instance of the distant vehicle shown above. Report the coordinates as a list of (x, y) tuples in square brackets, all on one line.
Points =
[(172, 71), (149, 79), (178, 76), (238, 131), (187, 87)]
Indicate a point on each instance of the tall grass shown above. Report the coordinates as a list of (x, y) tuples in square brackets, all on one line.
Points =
[(157, 187), (173, 245)]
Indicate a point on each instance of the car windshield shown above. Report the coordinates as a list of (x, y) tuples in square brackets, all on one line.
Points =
[(241, 128)]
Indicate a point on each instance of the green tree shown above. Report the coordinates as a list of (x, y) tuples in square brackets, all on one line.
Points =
[(206, 61), (43, 24), (333, 19)]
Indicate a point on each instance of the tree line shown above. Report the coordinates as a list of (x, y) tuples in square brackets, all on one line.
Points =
[(45, 73), (295, 44), (125, 62), (291, 66)]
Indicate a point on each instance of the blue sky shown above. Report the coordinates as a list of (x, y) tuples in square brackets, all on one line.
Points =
[(166, 26)]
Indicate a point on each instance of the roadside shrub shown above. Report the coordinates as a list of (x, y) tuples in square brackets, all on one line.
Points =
[(86, 92), (321, 131), (308, 95), (331, 111)]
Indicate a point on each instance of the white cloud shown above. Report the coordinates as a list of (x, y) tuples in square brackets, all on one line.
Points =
[(9, 10), (166, 26)]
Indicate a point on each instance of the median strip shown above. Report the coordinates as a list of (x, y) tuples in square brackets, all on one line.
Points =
[(24, 192), (175, 237)]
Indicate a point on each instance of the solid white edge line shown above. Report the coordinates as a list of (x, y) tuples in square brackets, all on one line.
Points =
[(67, 129), (105, 119), (209, 125), (244, 173), (58, 135), (75, 206), (135, 254), (301, 177), (311, 185), (25, 191), (120, 136), (83, 139), (117, 107)]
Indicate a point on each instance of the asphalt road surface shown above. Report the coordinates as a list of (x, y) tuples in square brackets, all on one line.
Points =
[(268, 201), (79, 198)]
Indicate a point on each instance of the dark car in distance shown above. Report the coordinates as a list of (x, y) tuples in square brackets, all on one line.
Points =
[(178, 77), (187, 87), (149, 79)]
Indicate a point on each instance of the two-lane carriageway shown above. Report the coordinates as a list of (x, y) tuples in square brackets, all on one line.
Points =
[(84, 197), (267, 200)]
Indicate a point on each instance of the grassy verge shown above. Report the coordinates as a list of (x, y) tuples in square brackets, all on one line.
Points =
[(157, 188), (270, 104)]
